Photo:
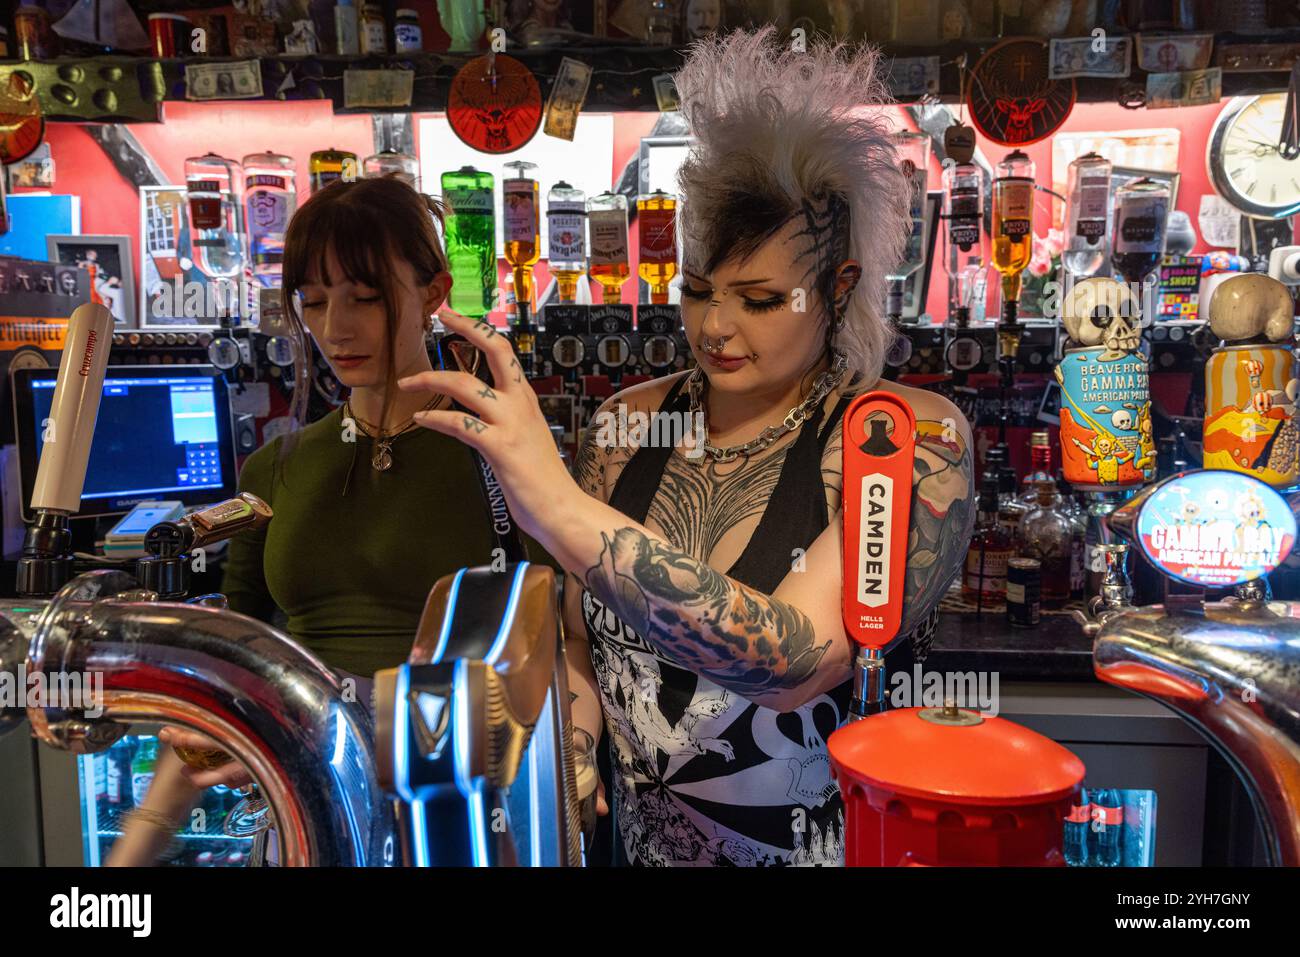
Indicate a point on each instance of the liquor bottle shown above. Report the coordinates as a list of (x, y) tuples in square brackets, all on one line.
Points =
[(913, 154), (269, 202), (566, 225), (1046, 533), (1141, 212), (1040, 467), (607, 244), (985, 576), (212, 186), (471, 240), (142, 767), (963, 207), (1013, 232), (1078, 536), (1087, 237), (326, 166), (118, 773), (1010, 509), (523, 234), (656, 216), (392, 163)]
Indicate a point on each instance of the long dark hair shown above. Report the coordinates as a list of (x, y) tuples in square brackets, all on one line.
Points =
[(368, 225)]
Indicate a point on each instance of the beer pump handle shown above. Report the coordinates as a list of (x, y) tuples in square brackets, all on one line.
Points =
[(879, 445), (61, 474), (226, 519)]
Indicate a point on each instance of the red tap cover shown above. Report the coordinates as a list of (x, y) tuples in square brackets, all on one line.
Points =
[(877, 505)]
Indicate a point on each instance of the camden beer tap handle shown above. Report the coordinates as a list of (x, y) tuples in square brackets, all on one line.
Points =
[(879, 443)]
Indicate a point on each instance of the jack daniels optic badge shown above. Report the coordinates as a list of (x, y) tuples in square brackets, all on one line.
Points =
[(494, 104), (1011, 98)]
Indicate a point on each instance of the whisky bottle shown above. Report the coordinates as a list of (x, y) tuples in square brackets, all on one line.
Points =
[(963, 208), (566, 226), (1040, 467), (1046, 533), (985, 575), (1141, 215), (471, 240), (1013, 227), (912, 150), (523, 238), (607, 244), (326, 166), (657, 258)]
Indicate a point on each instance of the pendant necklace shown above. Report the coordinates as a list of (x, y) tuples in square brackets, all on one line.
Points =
[(381, 459)]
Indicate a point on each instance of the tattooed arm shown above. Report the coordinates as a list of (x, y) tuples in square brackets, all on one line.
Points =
[(780, 650)]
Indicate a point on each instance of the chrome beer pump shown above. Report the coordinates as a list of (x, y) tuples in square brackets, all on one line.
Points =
[(473, 734), (119, 656), (1226, 667)]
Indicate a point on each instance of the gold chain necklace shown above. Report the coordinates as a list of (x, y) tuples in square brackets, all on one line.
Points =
[(381, 460)]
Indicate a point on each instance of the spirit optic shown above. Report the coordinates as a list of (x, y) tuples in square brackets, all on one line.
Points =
[(658, 242), (566, 227), (608, 261), (471, 240)]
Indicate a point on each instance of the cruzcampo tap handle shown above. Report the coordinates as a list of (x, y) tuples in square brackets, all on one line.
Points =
[(879, 444)]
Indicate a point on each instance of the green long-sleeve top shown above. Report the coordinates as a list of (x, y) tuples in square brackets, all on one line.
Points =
[(351, 553)]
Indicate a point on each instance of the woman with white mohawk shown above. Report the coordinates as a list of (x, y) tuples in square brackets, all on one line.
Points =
[(706, 576)]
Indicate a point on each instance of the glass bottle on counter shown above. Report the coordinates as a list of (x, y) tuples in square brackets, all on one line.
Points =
[(566, 226), (1011, 511), (326, 166), (374, 33), (1040, 467), (963, 207), (1088, 216), (985, 576), (212, 186), (269, 202), (656, 230), (1046, 533), (471, 240), (392, 163), (608, 261), (523, 232), (1078, 536), (1013, 222)]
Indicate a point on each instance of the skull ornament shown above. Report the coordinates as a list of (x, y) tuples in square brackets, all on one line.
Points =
[(1123, 420), (1251, 305), (1101, 311)]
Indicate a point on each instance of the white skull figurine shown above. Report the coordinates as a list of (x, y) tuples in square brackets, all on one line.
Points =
[(1249, 305), (1123, 420), (1102, 310)]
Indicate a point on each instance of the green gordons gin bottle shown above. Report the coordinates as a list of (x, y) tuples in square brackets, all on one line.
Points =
[(471, 240)]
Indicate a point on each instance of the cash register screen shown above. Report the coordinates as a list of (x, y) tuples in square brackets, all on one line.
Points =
[(161, 433)]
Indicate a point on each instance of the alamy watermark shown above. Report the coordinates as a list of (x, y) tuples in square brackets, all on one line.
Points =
[(81, 691), (975, 690), (620, 429)]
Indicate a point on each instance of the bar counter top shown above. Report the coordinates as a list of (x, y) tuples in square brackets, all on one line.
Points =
[(1056, 649)]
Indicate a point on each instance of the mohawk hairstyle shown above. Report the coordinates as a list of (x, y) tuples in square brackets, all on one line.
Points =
[(780, 135)]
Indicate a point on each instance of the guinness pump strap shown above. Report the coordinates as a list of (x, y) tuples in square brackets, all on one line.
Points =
[(505, 532), (879, 443)]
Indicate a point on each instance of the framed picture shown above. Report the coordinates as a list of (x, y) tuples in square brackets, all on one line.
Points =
[(173, 290), (108, 260), (918, 283)]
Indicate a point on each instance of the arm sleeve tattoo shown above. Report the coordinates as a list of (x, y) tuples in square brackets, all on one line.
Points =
[(941, 522), (731, 634)]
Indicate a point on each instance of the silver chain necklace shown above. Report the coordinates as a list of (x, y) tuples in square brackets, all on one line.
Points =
[(793, 419)]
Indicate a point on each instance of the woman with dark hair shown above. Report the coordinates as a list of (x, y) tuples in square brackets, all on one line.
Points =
[(708, 585), (369, 511)]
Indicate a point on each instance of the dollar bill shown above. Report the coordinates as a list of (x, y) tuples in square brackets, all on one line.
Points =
[(567, 96), (240, 80), (377, 87), (1090, 56), (1174, 54), (666, 93), (1189, 88), (914, 76)]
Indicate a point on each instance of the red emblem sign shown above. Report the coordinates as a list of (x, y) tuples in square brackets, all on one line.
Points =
[(494, 104), (1012, 99)]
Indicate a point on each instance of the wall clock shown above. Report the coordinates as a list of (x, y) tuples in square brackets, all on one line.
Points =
[(1243, 161)]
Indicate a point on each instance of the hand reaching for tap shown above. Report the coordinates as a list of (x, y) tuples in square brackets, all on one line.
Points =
[(231, 774)]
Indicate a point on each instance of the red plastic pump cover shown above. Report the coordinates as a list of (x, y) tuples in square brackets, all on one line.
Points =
[(995, 761)]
